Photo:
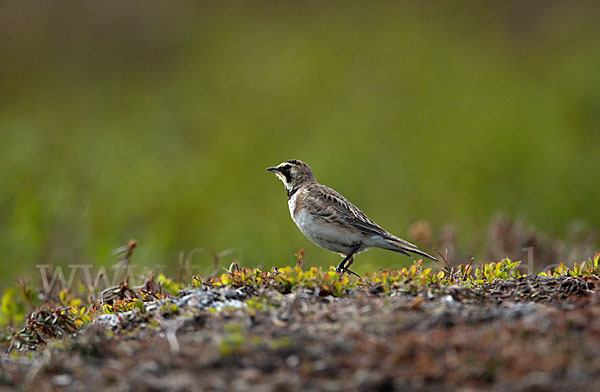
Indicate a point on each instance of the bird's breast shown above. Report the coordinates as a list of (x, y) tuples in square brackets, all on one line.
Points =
[(292, 203), (326, 235), (313, 228)]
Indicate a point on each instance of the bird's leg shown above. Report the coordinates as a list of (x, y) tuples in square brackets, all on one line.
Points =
[(341, 266), (342, 269), (347, 267)]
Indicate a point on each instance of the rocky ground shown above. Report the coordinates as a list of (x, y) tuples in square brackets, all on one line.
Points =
[(524, 334)]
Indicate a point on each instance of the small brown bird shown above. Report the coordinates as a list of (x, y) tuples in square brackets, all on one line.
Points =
[(329, 220)]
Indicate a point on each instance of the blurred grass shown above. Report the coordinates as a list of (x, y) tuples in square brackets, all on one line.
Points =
[(155, 121)]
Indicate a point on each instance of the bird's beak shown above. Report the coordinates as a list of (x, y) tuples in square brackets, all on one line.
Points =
[(273, 169)]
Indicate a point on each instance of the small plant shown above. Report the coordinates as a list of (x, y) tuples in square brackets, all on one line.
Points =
[(66, 312), (169, 286), (300, 258), (44, 324), (590, 267), (12, 309)]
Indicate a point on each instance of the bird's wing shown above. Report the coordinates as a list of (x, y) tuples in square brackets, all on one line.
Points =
[(335, 208)]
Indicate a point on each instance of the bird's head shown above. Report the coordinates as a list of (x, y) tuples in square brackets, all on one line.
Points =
[(293, 173)]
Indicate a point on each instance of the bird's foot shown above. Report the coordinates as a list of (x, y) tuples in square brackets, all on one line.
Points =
[(342, 271), (351, 272)]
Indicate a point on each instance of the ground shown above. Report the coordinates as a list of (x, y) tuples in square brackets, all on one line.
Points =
[(530, 333)]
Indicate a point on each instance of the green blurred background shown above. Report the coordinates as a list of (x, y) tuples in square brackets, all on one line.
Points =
[(156, 121)]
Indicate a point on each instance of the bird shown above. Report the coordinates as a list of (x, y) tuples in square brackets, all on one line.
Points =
[(330, 221)]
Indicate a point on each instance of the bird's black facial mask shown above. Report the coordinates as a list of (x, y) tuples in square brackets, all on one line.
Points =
[(286, 170), (284, 173)]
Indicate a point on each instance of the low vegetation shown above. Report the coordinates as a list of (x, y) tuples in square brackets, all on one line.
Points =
[(263, 325)]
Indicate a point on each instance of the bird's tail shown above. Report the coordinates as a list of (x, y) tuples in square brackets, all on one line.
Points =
[(400, 246)]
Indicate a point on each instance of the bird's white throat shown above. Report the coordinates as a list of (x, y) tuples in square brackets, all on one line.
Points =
[(284, 180)]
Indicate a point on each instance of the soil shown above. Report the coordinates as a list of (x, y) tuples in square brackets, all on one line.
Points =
[(527, 334)]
